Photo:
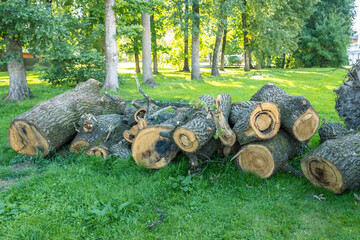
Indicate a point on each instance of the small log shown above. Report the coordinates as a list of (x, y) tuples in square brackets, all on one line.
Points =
[(101, 146), (199, 128), (88, 122), (130, 135), (151, 150), (254, 121), (270, 156), (121, 150), (335, 164), (332, 130), (83, 139), (50, 124), (221, 116), (298, 117)]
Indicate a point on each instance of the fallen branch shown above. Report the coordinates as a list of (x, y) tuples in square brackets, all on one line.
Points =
[(151, 226)]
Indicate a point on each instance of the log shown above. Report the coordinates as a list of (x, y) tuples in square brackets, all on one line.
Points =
[(101, 146), (298, 117), (221, 116), (335, 164), (332, 130), (83, 139), (130, 135), (121, 150), (253, 121), (265, 158), (348, 98), (199, 128), (50, 124), (151, 150)]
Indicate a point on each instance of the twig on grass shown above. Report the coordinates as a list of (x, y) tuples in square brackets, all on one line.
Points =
[(151, 226)]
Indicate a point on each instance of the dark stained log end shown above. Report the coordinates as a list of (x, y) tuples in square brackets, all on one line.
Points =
[(264, 121), (80, 146), (322, 173), (186, 139), (151, 150), (24, 137), (257, 159), (306, 125)]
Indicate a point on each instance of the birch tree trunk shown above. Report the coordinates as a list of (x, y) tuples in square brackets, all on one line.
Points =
[(111, 53), (18, 87), (195, 49)]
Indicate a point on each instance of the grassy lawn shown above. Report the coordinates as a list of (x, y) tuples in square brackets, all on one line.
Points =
[(81, 197)]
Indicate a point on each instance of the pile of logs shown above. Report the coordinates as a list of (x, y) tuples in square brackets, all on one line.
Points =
[(262, 134)]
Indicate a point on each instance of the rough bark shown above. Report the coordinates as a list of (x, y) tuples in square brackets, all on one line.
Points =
[(151, 150), (332, 130), (146, 50), (199, 128), (50, 124), (195, 48), (121, 150), (18, 87), (111, 53), (223, 48), (298, 117), (335, 164), (254, 120), (246, 39), (215, 62), (186, 38), (268, 157), (348, 98), (221, 116)]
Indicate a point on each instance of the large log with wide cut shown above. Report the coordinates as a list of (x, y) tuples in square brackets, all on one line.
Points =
[(335, 164), (50, 124), (298, 117), (254, 121), (265, 158)]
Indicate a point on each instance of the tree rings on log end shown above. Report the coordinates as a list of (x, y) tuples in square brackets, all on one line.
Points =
[(151, 150), (306, 125), (256, 159), (98, 152), (80, 146), (323, 173), (186, 139), (264, 121), (26, 138), (140, 113)]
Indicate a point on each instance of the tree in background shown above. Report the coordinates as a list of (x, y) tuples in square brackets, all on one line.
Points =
[(326, 35), (195, 48)]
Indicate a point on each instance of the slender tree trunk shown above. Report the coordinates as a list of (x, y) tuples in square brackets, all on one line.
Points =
[(18, 87), (246, 40), (195, 48), (154, 38), (259, 59), (215, 60), (146, 50), (111, 53), (186, 39), (283, 61), (155, 62), (137, 63), (222, 61)]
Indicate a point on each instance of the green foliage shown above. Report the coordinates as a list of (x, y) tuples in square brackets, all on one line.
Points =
[(233, 60), (181, 183)]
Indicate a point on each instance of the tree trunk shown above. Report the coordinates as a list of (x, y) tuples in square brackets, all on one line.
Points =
[(155, 62), (146, 50), (111, 53), (335, 164), (246, 40), (298, 117), (199, 128), (332, 130), (268, 157), (137, 63), (221, 116), (195, 48), (253, 120), (186, 39), (154, 39), (223, 48), (215, 62), (50, 124), (18, 87)]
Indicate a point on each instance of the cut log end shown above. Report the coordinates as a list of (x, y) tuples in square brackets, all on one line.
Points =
[(26, 138), (306, 125), (140, 114), (80, 146), (186, 139), (265, 120), (98, 152), (151, 150), (321, 172), (256, 159), (88, 126)]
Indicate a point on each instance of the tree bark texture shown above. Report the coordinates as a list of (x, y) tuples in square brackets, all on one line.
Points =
[(195, 48), (332, 130), (223, 48), (18, 87), (246, 39), (186, 38), (335, 164), (137, 63), (221, 116), (298, 117), (265, 158), (154, 39), (348, 98), (111, 53), (50, 124), (146, 50), (253, 120), (215, 62)]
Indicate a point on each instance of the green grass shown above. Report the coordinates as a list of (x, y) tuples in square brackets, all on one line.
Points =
[(81, 197)]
